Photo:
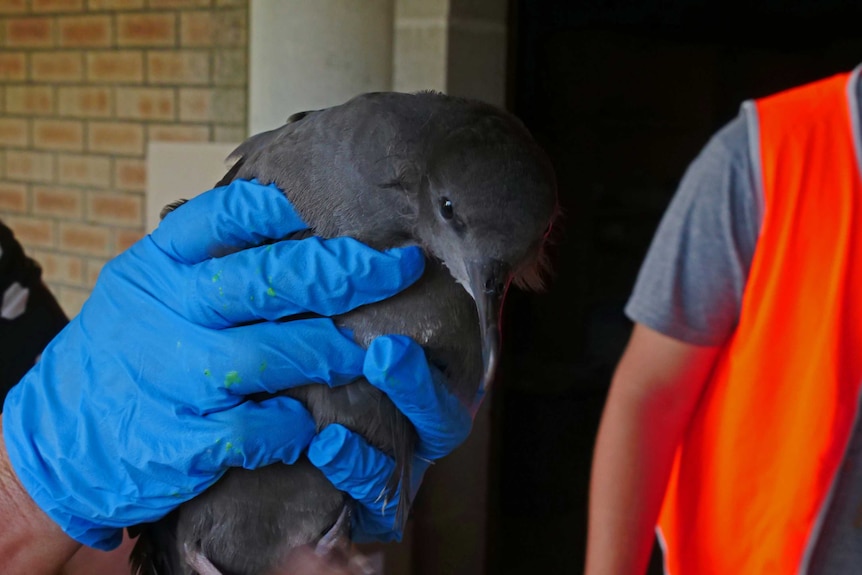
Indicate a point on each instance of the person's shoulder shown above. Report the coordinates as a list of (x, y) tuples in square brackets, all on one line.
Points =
[(732, 139)]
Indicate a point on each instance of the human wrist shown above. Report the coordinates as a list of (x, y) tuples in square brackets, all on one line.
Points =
[(31, 542)]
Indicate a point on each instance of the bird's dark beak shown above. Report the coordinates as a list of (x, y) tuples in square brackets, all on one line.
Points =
[(488, 282)]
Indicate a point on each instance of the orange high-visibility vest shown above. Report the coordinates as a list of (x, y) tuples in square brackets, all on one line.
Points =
[(753, 477)]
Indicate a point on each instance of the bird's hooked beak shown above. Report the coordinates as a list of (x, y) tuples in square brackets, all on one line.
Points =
[(488, 280)]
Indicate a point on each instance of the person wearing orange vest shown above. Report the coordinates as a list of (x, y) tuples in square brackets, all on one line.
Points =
[(732, 419)]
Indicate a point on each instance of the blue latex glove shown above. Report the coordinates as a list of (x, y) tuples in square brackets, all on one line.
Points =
[(137, 405), (396, 365)]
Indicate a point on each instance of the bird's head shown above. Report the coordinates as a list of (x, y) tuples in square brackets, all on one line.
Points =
[(461, 178), (486, 203)]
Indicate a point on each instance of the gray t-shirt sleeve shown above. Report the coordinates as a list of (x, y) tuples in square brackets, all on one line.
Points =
[(691, 283)]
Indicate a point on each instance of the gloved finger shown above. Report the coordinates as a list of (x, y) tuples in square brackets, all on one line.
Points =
[(361, 471), (254, 434), (227, 219), (327, 277), (398, 367), (271, 357)]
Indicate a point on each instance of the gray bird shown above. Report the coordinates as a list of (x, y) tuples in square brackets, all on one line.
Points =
[(460, 178)]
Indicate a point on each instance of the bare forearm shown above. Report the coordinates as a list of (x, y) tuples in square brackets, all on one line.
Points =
[(30, 543), (653, 395), (632, 462)]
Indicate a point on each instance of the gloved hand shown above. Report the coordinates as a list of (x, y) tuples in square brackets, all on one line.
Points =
[(396, 365), (137, 405)]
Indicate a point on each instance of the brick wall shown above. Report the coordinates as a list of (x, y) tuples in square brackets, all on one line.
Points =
[(84, 85)]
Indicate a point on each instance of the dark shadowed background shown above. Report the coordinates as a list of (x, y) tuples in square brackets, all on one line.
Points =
[(622, 95)]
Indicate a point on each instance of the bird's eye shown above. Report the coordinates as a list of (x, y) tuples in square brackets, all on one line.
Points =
[(446, 209)]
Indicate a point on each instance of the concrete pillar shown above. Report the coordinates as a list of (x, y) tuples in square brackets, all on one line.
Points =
[(309, 54), (454, 46), (421, 45), (476, 58)]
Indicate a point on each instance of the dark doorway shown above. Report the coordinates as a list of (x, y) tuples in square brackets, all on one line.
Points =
[(622, 95)]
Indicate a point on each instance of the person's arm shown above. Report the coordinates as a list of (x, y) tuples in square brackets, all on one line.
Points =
[(653, 394), (31, 543), (685, 305)]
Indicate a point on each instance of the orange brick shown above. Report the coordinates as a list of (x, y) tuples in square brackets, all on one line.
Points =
[(13, 66), (30, 166), (88, 170), (39, 255), (90, 31), (70, 270), (94, 268), (29, 99), (229, 105), (196, 29), (85, 239), (116, 138), (130, 175), (178, 67), (118, 209), (126, 238), (57, 66), (178, 3), (13, 132), (230, 67), (114, 4), (229, 134), (71, 299), (115, 66), (145, 103), (13, 197), (231, 27), (85, 102), (195, 104), (146, 29), (59, 268), (56, 201), (58, 135), (13, 6), (29, 32), (58, 5), (31, 231), (178, 133)]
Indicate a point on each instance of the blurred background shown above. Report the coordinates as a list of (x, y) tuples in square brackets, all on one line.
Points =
[(108, 108)]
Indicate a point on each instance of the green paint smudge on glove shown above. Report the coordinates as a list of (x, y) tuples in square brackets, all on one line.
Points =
[(231, 378)]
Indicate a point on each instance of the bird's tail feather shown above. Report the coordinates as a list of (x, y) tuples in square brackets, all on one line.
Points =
[(404, 442)]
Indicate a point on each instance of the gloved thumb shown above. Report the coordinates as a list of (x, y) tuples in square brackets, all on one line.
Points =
[(363, 472)]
